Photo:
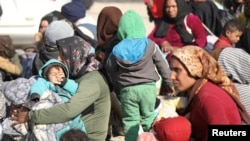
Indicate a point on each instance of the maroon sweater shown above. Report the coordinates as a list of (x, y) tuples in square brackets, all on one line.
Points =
[(173, 37), (212, 106)]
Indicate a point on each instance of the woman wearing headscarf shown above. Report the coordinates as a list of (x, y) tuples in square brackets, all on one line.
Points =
[(212, 97), (235, 62), (92, 99), (178, 28), (107, 26)]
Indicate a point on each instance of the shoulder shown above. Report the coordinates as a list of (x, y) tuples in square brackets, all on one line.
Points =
[(192, 18)]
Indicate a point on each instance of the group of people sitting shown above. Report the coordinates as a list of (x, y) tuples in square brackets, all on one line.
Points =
[(79, 81)]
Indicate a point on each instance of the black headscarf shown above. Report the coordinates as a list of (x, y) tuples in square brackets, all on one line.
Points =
[(183, 10)]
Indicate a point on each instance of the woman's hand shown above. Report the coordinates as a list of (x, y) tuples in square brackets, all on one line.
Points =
[(19, 114), (166, 47)]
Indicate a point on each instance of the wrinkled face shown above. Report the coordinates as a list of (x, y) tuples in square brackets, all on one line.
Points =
[(171, 8), (180, 77), (55, 75), (234, 36)]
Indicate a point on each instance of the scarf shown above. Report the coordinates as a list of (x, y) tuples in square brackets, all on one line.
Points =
[(183, 10), (78, 55), (204, 67)]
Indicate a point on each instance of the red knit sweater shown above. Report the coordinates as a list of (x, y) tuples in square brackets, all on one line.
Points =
[(212, 106)]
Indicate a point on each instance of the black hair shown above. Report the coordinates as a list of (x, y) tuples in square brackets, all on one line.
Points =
[(233, 25)]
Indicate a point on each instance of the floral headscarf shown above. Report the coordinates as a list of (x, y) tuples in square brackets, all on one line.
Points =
[(79, 56), (203, 66)]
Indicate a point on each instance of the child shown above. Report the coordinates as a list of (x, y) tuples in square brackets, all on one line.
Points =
[(231, 34), (131, 67), (74, 135), (53, 78)]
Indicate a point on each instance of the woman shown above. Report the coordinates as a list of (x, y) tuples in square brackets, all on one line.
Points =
[(212, 97), (107, 26), (172, 33), (92, 98)]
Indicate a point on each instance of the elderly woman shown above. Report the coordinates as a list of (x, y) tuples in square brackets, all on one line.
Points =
[(212, 97)]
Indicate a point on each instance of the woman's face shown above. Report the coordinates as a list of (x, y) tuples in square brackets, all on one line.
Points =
[(171, 8), (180, 77), (43, 26)]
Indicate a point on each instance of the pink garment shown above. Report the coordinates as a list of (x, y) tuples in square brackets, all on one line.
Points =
[(173, 37), (147, 136), (212, 106), (222, 42)]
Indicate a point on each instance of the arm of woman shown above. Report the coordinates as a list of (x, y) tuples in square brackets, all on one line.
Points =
[(87, 93), (198, 30)]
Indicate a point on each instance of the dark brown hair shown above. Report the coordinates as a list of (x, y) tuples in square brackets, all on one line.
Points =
[(74, 135), (6, 46)]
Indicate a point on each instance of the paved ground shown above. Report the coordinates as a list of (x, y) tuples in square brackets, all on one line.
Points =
[(124, 6)]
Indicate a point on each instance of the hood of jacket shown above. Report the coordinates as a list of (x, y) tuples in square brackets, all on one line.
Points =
[(43, 70), (131, 26)]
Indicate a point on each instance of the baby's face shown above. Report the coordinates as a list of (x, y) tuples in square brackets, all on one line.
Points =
[(56, 75)]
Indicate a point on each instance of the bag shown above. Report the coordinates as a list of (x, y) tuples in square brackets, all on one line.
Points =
[(211, 38), (224, 16)]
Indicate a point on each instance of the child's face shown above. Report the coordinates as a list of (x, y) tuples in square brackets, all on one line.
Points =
[(56, 75), (234, 36)]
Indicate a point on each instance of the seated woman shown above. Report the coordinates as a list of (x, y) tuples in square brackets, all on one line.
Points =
[(178, 28), (212, 97)]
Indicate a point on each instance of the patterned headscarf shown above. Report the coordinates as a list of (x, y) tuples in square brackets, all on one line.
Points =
[(79, 56), (203, 66)]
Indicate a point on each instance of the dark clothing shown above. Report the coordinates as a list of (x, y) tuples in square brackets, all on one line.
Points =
[(207, 11), (44, 54)]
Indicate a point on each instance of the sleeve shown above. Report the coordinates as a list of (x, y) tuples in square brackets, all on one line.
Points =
[(8, 66), (87, 93), (39, 87), (71, 86), (198, 31), (112, 71), (162, 67)]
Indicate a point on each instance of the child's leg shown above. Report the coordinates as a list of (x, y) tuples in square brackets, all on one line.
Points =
[(130, 112), (137, 100), (147, 105)]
